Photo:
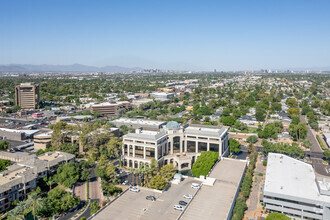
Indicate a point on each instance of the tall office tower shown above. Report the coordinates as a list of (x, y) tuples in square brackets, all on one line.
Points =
[(27, 95)]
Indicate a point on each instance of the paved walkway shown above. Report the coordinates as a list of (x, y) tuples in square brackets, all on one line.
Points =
[(254, 207), (80, 191)]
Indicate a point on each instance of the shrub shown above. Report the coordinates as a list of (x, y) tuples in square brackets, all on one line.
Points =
[(204, 163)]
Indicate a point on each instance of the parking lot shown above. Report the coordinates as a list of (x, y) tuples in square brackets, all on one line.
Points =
[(133, 205)]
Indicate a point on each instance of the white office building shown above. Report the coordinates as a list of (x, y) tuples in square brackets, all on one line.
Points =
[(173, 144), (292, 188)]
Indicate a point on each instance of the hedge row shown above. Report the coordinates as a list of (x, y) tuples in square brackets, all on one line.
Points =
[(204, 163), (320, 142), (240, 204)]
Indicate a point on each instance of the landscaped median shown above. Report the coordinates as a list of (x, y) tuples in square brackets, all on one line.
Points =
[(240, 204), (320, 142)]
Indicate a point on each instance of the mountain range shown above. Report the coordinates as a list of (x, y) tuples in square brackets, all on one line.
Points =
[(64, 68)]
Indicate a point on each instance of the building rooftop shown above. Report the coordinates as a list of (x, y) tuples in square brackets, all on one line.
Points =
[(109, 104), (139, 121), (205, 130), (215, 202), (292, 178), (146, 135)]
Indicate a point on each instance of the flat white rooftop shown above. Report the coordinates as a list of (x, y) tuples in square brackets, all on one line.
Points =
[(139, 121), (291, 178), (214, 202)]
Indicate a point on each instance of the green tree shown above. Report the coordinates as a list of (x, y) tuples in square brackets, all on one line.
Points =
[(252, 139), (4, 145), (67, 174), (260, 114), (293, 111), (277, 216), (167, 171), (35, 202), (292, 102), (158, 182), (154, 166), (94, 207), (228, 121), (4, 164), (234, 146)]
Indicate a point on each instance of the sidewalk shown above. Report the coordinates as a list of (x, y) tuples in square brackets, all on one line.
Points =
[(254, 206)]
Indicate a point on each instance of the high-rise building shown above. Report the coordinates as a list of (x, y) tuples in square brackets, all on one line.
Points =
[(27, 95)]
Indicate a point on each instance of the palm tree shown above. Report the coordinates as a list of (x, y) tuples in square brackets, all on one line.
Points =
[(50, 182), (35, 201), (132, 170), (18, 212)]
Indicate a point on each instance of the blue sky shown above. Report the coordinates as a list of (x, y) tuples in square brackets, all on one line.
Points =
[(171, 34)]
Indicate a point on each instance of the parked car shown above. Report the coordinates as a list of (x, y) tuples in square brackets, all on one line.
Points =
[(178, 207), (182, 203), (152, 198), (125, 182), (134, 189), (195, 185), (187, 196)]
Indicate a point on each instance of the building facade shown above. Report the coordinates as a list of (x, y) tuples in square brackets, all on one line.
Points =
[(110, 108), (22, 176), (174, 144), (292, 188), (27, 95)]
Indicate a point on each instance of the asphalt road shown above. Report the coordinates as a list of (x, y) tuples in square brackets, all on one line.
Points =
[(315, 145)]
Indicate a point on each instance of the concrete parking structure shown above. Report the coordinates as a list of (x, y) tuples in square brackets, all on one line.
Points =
[(132, 205), (217, 201)]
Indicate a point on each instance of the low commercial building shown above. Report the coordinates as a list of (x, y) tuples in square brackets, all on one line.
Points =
[(139, 123), (174, 144), (22, 176), (291, 187), (42, 141), (163, 95), (17, 135), (110, 108)]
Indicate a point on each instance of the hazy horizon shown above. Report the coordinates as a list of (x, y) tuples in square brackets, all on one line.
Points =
[(178, 35)]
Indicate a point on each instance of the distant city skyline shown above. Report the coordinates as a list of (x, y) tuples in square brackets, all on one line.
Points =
[(177, 35)]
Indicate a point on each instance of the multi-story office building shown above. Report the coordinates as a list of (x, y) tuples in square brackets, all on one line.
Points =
[(110, 108), (22, 177), (173, 144), (27, 95), (292, 188)]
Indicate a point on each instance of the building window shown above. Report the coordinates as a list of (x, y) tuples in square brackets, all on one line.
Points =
[(141, 142), (191, 137), (130, 151), (139, 151), (202, 146), (191, 146), (160, 149), (176, 145), (125, 149), (151, 143), (202, 138), (214, 147), (150, 152)]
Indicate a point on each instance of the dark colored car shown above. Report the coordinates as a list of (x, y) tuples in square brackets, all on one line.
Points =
[(182, 203), (152, 198)]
